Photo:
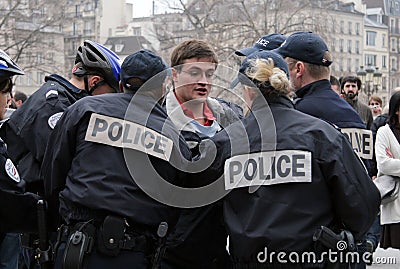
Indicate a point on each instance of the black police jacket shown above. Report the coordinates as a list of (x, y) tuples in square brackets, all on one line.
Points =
[(97, 164), (18, 209), (306, 175), (29, 127), (318, 99)]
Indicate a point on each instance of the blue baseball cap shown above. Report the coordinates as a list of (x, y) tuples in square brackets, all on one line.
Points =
[(268, 42), (306, 47), (143, 64), (278, 60)]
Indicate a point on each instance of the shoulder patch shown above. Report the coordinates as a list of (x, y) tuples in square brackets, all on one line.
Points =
[(52, 121), (51, 93), (116, 132), (268, 168), (11, 171)]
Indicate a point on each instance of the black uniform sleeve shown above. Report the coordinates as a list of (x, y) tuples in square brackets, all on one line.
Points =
[(57, 160), (18, 209), (355, 198)]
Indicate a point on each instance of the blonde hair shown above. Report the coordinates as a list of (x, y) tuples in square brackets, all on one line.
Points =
[(271, 81)]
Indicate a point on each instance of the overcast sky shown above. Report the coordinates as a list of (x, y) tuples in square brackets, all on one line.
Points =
[(143, 8)]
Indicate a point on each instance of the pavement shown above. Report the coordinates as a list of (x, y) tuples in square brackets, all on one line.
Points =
[(386, 259)]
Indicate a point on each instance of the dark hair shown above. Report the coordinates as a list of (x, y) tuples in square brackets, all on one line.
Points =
[(6, 85), (352, 79), (20, 96), (192, 48), (394, 104), (334, 81)]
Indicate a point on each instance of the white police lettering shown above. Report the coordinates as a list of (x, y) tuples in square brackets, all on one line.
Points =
[(361, 140), (125, 134), (11, 171), (262, 42), (267, 168), (52, 121)]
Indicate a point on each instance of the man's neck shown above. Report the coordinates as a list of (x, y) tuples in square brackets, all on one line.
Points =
[(197, 109)]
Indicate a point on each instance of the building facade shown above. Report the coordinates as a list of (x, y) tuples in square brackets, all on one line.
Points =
[(42, 35), (391, 18)]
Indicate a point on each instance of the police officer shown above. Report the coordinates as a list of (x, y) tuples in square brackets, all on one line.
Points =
[(100, 154), (308, 59), (10, 182), (96, 71), (284, 187)]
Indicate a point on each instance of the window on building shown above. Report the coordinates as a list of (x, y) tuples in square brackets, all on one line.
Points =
[(349, 46), (342, 27), (28, 78), (39, 58), (357, 48), (39, 78), (88, 28), (333, 45), (393, 44), (119, 48), (383, 61), (370, 60), (51, 57), (89, 6), (341, 65), (349, 64), (350, 26), (371, 38), (137, 31), (384, 83), (75, 29), (357, 28), (357, 63), (341, 45), (383, 40), (19, 80), (393, 65), (392, 26)]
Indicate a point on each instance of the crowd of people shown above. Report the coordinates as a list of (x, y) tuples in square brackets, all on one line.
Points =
[(101, 170)]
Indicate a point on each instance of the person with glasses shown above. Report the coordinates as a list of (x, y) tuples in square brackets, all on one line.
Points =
[(197, 116)]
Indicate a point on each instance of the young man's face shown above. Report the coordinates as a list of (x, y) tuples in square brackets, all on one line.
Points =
[(350, 89), (193, 81)]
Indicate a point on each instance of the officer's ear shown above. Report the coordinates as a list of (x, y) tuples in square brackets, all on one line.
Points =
[(93, 80)]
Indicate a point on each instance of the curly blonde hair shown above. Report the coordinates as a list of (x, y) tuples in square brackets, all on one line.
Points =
[(271, 81)]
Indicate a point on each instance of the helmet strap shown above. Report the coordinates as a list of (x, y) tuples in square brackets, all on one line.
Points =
[(85, 79), (100, 83)]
